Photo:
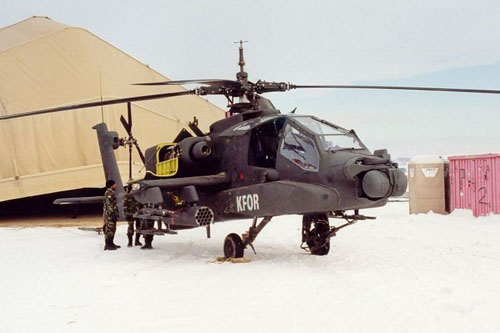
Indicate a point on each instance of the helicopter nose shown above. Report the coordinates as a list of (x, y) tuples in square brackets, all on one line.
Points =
[(377, 184)]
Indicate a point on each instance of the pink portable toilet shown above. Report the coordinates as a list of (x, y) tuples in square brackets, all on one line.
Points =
[(475, 183)]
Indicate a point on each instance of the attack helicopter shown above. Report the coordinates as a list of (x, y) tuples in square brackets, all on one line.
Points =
[(256, 163)]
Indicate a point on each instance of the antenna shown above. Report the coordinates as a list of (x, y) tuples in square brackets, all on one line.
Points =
[(100, 89), (242, 76)]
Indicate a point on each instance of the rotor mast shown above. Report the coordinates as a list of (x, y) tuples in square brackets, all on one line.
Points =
[(242, 76)]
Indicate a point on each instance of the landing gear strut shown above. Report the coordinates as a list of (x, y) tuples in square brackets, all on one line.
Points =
[(234, 245), (316, 230)]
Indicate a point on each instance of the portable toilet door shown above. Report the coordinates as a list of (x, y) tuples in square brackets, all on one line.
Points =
[(462, 182), (427, 184)]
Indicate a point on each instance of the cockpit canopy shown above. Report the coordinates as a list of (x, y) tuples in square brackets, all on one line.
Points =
[(332, 138)]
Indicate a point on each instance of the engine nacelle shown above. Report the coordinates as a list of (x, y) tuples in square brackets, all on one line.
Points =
[(195, 149)]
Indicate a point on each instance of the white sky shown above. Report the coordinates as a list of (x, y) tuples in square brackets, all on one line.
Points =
[(448, 43)]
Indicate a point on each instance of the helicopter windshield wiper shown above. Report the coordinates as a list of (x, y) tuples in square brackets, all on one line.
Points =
[(299, 144), (333, 149), (295, 148)]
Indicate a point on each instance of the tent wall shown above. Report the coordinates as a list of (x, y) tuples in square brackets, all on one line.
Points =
[(59, 151)]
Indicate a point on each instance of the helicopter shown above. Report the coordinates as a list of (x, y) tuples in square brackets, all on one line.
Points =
[(257, 163)]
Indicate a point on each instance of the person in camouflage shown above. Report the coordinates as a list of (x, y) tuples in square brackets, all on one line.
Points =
[(130, 207), (110, 216), (148, 239)]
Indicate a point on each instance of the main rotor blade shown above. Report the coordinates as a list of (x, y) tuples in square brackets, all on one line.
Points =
[(474, 91), (209, 82), (103, 103)]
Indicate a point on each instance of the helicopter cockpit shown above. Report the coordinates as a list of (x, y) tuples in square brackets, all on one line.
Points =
[(294, 140)]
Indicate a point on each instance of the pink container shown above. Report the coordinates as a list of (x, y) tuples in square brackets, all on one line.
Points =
[(475, 183)]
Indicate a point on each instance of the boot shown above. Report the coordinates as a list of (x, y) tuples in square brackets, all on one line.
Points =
[(137, 242), (113, 242), (148, 239), (129, 240), (108, 244)]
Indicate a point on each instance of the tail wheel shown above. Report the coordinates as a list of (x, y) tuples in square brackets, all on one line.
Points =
[(233, 246)]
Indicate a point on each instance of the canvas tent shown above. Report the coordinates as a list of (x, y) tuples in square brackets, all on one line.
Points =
[(44, 64)]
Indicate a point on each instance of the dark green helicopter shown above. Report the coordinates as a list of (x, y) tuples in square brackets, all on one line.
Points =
[(255, 163)]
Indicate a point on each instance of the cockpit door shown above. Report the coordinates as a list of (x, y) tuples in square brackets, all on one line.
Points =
[(264, 143)]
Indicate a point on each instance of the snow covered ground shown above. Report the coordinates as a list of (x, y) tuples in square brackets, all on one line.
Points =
[(399, 273)]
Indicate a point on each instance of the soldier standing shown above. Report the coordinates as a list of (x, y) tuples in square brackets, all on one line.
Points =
[(110, 216), (130, 207), (148, 239)]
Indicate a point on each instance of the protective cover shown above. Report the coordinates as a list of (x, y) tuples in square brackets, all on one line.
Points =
[(45, 64)]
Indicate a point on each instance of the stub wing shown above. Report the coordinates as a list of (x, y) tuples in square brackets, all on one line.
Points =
[(176, 183), (79, 201)]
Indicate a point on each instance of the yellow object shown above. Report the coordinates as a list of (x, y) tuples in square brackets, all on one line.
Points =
[(166, 167), (220, 260), (178, 201)]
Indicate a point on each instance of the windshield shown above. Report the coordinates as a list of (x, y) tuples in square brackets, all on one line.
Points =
[(331, 138)]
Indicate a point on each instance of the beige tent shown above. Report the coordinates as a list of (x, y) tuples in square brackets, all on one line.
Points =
[(44, 64)]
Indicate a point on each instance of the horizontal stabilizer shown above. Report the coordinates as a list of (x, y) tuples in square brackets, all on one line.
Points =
[(152, 232), (79, 201)]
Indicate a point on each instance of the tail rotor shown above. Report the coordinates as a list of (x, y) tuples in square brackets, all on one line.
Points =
[(130, 141)]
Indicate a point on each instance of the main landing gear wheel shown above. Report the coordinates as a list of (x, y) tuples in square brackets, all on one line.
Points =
[(317, 238), (318, 244), (233, 246)]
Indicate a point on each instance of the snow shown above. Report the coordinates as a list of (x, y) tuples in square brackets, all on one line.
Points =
[(418, 273)]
